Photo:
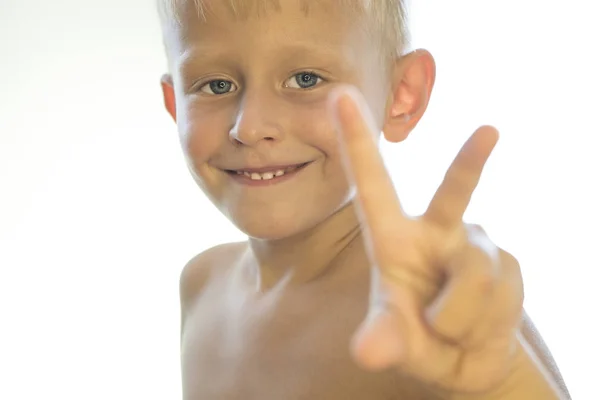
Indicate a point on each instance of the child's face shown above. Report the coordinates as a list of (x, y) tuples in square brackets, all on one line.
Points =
[(253, 94)]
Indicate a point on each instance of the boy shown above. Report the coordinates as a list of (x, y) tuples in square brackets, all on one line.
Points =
[(278, 106)]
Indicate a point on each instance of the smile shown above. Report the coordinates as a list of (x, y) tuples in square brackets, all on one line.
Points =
[(267, 175)]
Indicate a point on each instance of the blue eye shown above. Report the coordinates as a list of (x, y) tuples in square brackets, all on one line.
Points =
[(304, 80), (217, 87)]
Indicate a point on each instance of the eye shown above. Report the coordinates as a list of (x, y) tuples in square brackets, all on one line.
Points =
[(218, 87), (304, 80)]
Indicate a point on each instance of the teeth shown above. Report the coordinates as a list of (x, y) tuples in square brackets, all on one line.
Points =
[(265, 176)]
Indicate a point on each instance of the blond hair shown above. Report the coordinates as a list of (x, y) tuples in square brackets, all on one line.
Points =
[(386, 19)]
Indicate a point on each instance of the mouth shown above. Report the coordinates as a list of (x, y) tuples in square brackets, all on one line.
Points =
[(270, 174)]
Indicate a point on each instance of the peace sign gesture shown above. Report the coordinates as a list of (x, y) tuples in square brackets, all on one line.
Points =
[(446, 303)]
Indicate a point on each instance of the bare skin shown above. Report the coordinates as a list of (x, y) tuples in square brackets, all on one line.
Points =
[(290, 341), (283, 316)]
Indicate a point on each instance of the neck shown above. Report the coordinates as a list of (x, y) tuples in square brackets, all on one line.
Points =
[(307, 256)]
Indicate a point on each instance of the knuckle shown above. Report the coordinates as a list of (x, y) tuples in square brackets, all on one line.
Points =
[(485, 281), (509, 261), (511, 268)]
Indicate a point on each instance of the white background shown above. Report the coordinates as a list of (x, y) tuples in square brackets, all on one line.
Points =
[(98, 213)]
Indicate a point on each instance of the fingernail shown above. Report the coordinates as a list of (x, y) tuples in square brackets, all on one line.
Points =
[(359, 106), (335, 98)]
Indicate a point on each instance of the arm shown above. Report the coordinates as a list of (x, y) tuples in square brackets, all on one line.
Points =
[(542, 352), (535, 376)]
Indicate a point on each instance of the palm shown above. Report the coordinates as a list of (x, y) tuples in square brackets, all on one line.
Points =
[(445, 302)]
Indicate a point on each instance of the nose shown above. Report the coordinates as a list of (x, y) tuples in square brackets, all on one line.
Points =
[(256, 122)]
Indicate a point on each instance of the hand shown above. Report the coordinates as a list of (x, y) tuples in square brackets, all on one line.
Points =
[(446, 303)]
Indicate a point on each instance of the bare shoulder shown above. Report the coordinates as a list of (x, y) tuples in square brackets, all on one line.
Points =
[(533, 337), (198, 271)]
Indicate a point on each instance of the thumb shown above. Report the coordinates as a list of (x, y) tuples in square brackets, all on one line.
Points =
[(381, 340)]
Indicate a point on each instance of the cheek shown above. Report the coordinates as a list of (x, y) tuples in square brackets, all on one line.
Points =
[(201, 132), (312, 126)]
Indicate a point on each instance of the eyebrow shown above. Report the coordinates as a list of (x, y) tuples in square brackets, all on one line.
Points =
[(196, 55)]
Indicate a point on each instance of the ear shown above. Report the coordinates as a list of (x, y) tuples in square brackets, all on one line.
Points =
[(412, 83), (169, 95)]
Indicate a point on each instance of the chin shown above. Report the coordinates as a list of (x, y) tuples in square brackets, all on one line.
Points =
[(274, 225), (273, 230), (281, 223)]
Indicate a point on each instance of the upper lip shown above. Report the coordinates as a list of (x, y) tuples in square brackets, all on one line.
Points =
[(269, 168)]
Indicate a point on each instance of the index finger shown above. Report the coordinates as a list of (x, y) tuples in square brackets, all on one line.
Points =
[(378, 203), (453, 196)]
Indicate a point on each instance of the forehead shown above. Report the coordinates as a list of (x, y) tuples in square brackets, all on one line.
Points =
[(321, 23), (179, 10)]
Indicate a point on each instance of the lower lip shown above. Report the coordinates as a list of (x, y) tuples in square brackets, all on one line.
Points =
[(246, 180)]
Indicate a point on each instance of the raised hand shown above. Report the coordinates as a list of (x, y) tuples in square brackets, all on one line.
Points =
[(446, 303)]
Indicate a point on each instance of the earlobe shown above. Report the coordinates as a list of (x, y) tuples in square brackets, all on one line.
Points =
[(414, 78), (168, 90)]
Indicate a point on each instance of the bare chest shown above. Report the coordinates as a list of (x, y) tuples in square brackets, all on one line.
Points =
[(290, 347)]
